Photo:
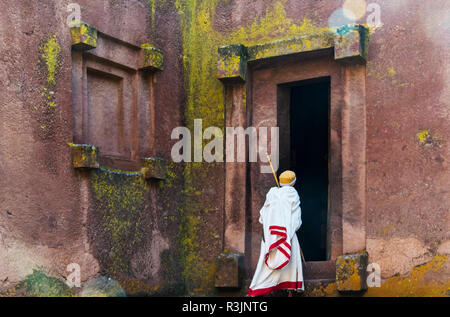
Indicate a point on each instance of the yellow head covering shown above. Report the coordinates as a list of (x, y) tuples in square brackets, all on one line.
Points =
[(287, 178)]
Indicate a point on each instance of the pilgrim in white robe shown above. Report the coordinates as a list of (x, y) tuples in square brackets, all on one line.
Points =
[(280, 263)]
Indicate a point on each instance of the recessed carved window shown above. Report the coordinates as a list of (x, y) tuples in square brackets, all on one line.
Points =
[(113, 104)]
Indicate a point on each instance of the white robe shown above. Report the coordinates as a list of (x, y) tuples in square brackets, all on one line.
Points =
[(280, 264)]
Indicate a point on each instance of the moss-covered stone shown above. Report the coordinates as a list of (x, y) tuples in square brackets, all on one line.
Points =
[(352, 43), (39, 284), (306, 43), (320, 288), (103, 287), (205, 100), (430, 279), (121, 218), (232, 62), (154, 168), (84, 37), (84, 156), (151, 58), (50, 57), (426, 139), (50, 54), (351, 272)]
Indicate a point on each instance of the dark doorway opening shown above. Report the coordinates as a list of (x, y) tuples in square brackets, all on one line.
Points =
[(309, 143)]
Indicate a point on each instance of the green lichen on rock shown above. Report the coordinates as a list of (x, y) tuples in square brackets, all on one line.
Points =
[(422, 281), (205, 100), (152, 57), (121, 202), (320, 288), (423, 137), (352, 42), (103, 287), (232, 62), (427, 139), (174, 285), (171, 176), (351, 271), (84, 156), (153, 4), (50, 52), (198, 272), (39, 284), (154, 168), (84, 36), (305, 43)]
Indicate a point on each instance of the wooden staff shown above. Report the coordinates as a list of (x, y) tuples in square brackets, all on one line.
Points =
[(273, 172), (278, 184)]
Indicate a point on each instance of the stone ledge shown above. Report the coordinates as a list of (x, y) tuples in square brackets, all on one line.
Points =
[(229, 269), (84, 37), (232, 62), (300, 44), (151, 58), (154, 168), (350, 43), (351, 272), (84, 156)]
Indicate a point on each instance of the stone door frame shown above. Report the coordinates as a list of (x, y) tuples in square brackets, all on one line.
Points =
[(344, 52)]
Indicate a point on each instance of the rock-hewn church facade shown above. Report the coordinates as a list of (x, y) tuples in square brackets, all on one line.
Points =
[(359, 91)]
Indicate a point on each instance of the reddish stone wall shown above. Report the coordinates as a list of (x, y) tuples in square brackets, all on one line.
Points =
[(52, 215)]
